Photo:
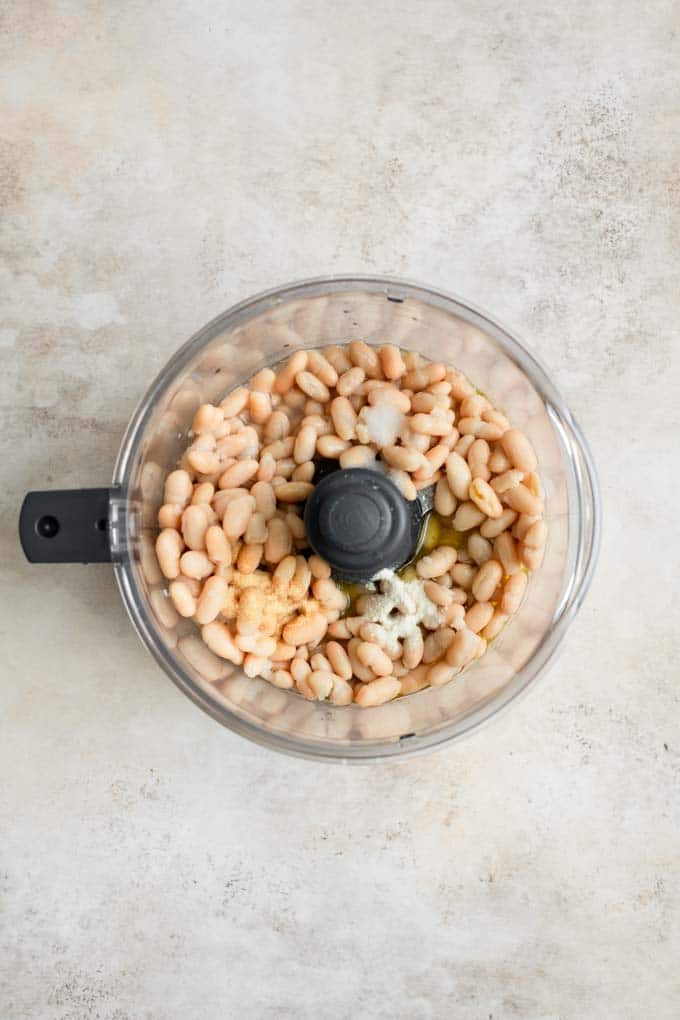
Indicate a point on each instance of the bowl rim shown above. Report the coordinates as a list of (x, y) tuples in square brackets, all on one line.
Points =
[(589, 517)]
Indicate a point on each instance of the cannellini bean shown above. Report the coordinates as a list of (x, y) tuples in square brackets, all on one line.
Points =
[(488, 578), (342, 692), (468, 516), (322, 368), (249, 558), (498, 462), (495, 625), (533, 484), (473, 406), (343, 417), (319, 661), (374, 658), (478, 459), (463, 445), (461, 387), (256, 532), (204, 462), (440, 673), (513, 592), (327, 592), (414, 680), (458, 475), (234, 402), (207, 419), (305, 630), (281, 678), (196, 564), (178, 488), (331, 446), (299, 668), (305, 444), (279, 541), (339, 660), (444, 500), (357, 456), (505, 549), (296, 526), (430, 425), (389, 395), (508, 480), (294, 492), (419, 378), (259, 407), (377, 692), (435, 644), (494, 417), (219, 640), (402, 458), (437, 593), (465, 647), (263, 381), (312, 386), (282, 652), (238, 474), (217, 545), (493, 528), (194, 527), (533, 545), (182, 599), (519, 450), (413, 649), (479, 549), (251, 608), (403, 482), (280, 448), (236, 517), (435, 458), (170, 516), (483, 496), (303, 472), (267, 468), (211, 599), (478, 616), (454, 615), (365, 357), (391, 362), (437, 563), (463, 574), (377, 635), (285, 377), (203, 493), (521, 499), (319, 568), (522, 525), (265, 499), (338, 358), (339, 630), (350, 381), (277, 427), (169, 546), (321, 683)]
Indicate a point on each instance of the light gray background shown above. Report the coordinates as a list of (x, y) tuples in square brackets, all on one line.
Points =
[(161, 160)]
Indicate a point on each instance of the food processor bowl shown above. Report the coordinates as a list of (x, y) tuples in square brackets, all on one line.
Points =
[(120, 523)]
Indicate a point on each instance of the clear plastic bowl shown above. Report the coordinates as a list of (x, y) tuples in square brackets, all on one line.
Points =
[(314, 313)]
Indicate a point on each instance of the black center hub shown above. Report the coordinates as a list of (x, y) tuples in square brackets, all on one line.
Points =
[(359, 522)]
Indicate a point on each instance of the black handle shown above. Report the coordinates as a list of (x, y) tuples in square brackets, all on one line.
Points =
[(66, 526)]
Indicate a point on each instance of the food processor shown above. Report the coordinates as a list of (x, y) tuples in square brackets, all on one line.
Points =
[(118, 524)]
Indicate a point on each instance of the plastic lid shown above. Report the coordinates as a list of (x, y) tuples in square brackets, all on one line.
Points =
[(359, 522)]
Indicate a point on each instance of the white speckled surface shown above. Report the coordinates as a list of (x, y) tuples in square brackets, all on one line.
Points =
[(160, 161)]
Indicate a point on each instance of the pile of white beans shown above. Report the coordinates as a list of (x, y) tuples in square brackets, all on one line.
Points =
[(232, 540)]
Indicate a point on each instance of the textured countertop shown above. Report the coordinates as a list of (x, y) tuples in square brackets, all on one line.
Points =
[(159, 162)]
